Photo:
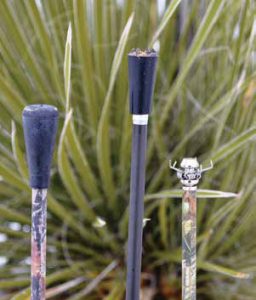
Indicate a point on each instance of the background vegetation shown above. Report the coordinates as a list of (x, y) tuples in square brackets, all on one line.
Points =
[(204, 106)]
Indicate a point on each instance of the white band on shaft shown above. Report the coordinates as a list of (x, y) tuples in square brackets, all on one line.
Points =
[(140, 119), (189, 188)]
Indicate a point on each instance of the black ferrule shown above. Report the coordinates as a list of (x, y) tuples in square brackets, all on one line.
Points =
[(142, 71), (40, 123)]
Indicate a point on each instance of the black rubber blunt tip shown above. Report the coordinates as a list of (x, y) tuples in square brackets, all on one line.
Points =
[(40, 123), (142, 73)]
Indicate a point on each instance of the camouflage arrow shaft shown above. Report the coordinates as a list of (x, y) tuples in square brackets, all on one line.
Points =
[(189, 244), (189, 174), (38, 244)]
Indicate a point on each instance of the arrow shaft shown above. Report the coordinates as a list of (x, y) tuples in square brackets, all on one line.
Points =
[(136, 211), (189, 204), (38, 244)]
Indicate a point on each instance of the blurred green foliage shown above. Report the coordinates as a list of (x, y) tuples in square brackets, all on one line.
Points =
[(204, 106)]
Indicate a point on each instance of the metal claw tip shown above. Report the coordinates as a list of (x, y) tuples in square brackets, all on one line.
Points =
[(207, 168), (172, 166)]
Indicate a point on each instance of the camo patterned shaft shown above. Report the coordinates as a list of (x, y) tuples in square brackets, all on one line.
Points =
[(38, 244), (189, 245)]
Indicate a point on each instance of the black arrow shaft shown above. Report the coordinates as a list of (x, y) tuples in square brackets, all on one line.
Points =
[(137, 191)]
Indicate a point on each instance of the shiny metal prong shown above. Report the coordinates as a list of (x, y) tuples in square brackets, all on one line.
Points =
[(172, 166), (207, 168)]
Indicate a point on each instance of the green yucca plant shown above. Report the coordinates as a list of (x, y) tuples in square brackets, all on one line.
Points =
[(204, 106)]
